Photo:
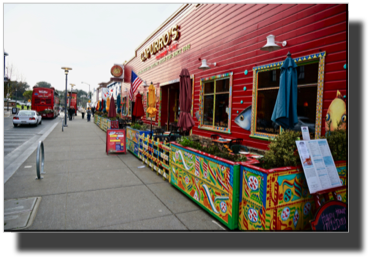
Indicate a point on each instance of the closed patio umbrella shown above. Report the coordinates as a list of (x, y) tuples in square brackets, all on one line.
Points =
[(152, 105), (185, 120), (100, 105), (138, 110), (118, 103), (112, 108), (104, 107), (285, 109), (108, 104)]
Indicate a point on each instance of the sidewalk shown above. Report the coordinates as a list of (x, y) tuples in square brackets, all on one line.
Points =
[(86, 189)]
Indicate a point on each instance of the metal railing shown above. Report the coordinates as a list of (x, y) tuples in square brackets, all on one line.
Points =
[(40, 164)]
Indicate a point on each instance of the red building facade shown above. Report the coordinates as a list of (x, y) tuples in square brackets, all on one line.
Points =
[(235, 97)]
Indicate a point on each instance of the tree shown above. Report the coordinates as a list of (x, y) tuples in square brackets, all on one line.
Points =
[(28, 94), (43, 84)]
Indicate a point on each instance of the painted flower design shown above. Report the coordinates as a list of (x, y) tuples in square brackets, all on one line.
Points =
[(187, 180), (307, 208), (285, 213), (295, 218), (252, 215), (205, 174), (253, 183), (223, 207), (177, 155)]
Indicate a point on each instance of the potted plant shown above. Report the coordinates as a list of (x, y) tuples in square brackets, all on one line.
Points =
[(274, 194)]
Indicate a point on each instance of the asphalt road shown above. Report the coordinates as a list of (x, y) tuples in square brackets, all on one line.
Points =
[(21, 141)]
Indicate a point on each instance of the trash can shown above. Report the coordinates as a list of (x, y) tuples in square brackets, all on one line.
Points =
[(14, 110), (82, 115)]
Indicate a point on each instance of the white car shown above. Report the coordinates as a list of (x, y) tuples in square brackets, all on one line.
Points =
[(27, 117)]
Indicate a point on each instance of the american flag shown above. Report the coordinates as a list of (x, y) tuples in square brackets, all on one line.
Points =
[(136, 82)]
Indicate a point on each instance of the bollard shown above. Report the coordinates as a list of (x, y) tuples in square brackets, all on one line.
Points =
[(38, 160)]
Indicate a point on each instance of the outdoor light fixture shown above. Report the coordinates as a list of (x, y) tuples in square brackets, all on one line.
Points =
[(271, 44), (204, 65), (66, 72), (145, 85)]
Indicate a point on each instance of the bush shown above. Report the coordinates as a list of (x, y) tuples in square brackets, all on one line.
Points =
[(337, 141), (282, 151), (213, 149)]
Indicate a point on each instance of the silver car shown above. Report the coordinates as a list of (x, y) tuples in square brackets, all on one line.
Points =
[(27, 117)]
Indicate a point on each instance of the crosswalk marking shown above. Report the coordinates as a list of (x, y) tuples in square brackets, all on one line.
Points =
[(12, 141)]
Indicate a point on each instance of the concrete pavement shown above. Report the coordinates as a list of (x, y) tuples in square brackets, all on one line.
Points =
[(86, 189)]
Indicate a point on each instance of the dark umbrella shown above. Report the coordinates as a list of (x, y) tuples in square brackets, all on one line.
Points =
[(104, 106), (112, 109), (118, 102), (285, 109), (185, 120), (100, 105), (138, 110)]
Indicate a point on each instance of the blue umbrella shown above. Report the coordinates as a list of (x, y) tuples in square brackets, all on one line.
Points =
[(118, 103), (104, 106), (285, 109)]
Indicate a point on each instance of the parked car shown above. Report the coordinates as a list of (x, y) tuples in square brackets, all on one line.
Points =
[(27, 117)]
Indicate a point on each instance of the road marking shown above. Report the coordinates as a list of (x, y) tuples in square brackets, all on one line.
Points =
[(27, 166)]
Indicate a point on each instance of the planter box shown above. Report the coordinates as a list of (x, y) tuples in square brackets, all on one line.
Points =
[(211, 182), (133, 140), (155, 154), (105, 123), (278, 199)]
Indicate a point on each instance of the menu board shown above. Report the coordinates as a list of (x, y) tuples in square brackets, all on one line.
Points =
[(318, 165), (116, 141)]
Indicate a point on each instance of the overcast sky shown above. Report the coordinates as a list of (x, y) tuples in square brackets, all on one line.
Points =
[(89, 38)]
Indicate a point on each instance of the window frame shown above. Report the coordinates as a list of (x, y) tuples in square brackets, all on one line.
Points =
[(215, 78), (304, 60)]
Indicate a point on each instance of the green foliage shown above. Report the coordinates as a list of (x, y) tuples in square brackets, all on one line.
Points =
[(43, 84), (282, 151), (337, 141), (139, 126), (28, 94), (186, 141)]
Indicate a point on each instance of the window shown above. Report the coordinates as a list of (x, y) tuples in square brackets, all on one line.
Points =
[(309, 97), (215, 103)]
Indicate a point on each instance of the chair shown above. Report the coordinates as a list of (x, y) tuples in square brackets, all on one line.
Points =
[(215, 136), (237, 141), (236, 148)]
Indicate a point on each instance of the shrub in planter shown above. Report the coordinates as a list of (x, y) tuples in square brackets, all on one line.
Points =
[(274, 195)]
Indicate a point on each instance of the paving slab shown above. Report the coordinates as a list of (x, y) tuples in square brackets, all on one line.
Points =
[(90, 180), (20, 213), (50, 167), (172, 198), (161, 223), (95, 164), (24, 186), (51, 213), (92, 209), (199, 220)]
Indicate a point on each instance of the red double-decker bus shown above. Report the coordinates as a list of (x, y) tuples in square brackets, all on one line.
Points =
[(45, 101)]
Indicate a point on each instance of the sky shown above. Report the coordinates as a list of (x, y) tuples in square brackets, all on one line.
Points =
[(89, 38)]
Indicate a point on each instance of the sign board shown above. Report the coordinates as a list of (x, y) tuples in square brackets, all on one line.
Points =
[(318, 165), (116, 141), (305, 133), (331, 216)]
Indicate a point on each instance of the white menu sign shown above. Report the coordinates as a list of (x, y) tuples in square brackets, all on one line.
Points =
[(318, 165)]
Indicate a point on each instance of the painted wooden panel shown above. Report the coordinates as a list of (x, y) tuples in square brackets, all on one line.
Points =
[(231, 35)]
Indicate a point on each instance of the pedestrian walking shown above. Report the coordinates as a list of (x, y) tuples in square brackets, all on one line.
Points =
[(93, 111), (88, 115)]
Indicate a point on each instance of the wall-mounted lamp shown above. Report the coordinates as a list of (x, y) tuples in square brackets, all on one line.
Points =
[(145, 85), (271, 44), (204, 65)]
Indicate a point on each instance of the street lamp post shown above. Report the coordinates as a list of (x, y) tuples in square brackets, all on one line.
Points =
[(89, 92), (66, 72)]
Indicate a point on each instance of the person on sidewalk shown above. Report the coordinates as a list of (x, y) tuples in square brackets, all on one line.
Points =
[(93, 111), (88, 115)]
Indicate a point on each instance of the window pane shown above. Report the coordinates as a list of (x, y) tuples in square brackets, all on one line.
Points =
[(266, 100), (223, 85), (208, 110), (221, 116), (308, 75), (306, 109), (209, 87), (266, 79)]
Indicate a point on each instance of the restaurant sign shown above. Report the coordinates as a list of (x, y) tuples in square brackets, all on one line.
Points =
[(164, 59), (116, 70), (164, 40)]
